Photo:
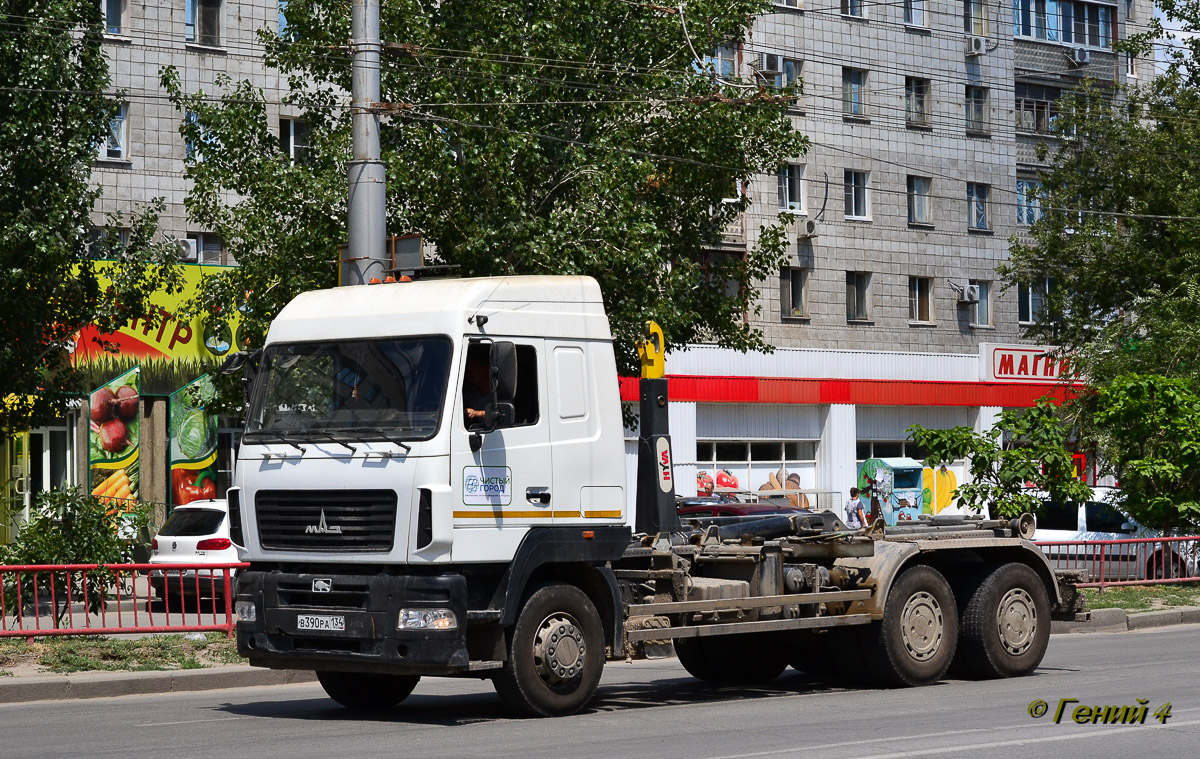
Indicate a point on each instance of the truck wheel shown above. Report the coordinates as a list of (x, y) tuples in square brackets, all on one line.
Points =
[(555, 656), (812, 652), (914, 642), (743, 659), (1006, 623), (362, 690)]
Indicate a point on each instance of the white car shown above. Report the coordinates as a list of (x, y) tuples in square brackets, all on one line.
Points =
[(197, 533), (1099, 520)]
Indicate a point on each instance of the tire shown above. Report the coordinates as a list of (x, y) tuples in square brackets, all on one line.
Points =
[(367, 691), (1006, 624), (914, 643), (1156, 567), (812, 653), (743, 659), (555, 655)]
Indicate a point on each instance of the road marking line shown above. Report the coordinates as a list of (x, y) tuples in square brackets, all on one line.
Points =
[(191, 721)]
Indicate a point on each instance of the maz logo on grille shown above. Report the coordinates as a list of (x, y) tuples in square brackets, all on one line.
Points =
[(322, 585), (322, 528)]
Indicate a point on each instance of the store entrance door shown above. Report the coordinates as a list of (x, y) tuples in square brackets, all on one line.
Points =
[(16, 485)]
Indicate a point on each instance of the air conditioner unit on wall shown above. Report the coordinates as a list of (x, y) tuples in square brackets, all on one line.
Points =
[(976, 45), (188, 249), (809, 229), (1080, 56), (768, 63), (968, 294)]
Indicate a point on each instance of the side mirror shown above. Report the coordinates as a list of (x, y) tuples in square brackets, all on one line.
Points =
[(234, 362), (504, 372)]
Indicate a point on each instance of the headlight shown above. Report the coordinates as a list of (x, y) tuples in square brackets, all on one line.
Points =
[(427, 619), (245, 611)]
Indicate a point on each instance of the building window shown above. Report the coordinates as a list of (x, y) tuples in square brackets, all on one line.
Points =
[(793, 286), (194, 146), (283, 31), (978, 211), (791, 188), (920, 203), (886, 449), (854, 92), (202, 22), (106, 242), (920, 296), (977, 109), (916, 101), (755, 465), (1070, 22), (914, 13), (114, 16), (1031, 300), (982, 315), (115, 147), (293, 140), (205, 248), (858, 285), (1130, 65), (791, 71), (1035, 108), (723, 61), (975, 17), (856, 8), (1029, 201), (857, 198), (790, 3)]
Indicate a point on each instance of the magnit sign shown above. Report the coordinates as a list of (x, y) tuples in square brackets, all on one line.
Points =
[(487, 485), (1021, 363)]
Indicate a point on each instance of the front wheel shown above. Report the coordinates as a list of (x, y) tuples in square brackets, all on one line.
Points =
[(367, 691), (556, 654)]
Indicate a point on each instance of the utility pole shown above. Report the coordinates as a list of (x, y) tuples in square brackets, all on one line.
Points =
[(364, 258)]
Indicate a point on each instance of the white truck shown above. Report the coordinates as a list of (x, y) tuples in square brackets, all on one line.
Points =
[(432, 483)]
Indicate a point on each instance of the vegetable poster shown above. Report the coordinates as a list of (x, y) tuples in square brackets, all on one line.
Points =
[(193, 443), (113, 440)]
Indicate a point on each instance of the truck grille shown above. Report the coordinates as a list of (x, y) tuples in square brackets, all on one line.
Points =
[(326, 520)]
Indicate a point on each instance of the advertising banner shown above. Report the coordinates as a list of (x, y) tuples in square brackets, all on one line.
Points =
[(113, 439), (170, 351), (193, 443)]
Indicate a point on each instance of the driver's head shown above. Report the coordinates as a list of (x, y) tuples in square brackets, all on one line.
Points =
[(478, 366)]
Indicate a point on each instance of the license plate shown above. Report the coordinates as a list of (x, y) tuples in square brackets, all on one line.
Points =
[(314, 622)]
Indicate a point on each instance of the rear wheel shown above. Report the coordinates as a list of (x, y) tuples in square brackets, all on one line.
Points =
[(914, 642), (556, 654), (1006, 624), (362, 690), (741, 659), (1160, 567)]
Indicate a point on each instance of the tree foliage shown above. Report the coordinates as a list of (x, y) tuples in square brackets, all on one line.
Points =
[(52, 120), (576, 137), (1020, 460)]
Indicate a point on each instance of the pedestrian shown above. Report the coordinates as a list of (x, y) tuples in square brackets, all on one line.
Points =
[(855, 519)]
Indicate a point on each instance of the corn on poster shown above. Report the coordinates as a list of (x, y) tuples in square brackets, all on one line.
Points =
[(193, 443), (113, 439)]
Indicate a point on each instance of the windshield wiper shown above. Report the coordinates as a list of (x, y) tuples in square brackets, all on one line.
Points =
[(331, 438), (380, 433), (271, 437)]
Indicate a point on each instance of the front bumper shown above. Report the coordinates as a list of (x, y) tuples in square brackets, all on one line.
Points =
[(368, 605)]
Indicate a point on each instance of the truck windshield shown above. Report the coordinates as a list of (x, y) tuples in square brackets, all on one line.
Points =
[(396, 387)]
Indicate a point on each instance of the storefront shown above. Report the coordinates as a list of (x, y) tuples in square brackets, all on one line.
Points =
[(152, 362), (805, 420)]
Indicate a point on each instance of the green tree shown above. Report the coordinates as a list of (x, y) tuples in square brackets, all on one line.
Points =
[(53, 118), (1149, 428), (1026, 450), (578, 136)]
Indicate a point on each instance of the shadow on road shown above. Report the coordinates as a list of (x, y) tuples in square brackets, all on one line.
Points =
[(485, 705)]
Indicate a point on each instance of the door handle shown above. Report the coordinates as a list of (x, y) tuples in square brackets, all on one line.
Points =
[(538, 495)]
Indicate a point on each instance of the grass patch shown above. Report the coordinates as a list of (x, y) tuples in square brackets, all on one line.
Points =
[(98, 654), (1135, 598)]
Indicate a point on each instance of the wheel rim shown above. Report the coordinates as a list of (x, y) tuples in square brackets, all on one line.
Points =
[(921, 626), (558, 650), (1017, 621)]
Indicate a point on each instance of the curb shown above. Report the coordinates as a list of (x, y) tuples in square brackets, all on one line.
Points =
[(15, 690), (1116, 620)]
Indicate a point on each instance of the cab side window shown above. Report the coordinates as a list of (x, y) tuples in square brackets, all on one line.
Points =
[(525, 402)]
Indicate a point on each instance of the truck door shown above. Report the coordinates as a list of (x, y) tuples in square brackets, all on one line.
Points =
[(505, 487)]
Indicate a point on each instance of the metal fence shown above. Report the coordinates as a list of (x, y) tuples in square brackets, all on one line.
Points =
[(93, 599), (1135, 561)]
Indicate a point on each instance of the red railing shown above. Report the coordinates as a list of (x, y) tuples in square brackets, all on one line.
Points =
[(94, 599), (1136, 561)]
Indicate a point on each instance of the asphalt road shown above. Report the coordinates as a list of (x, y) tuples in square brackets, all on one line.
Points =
[(653, 709)]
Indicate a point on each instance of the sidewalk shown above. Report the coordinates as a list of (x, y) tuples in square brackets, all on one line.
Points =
[(1117, 620)]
